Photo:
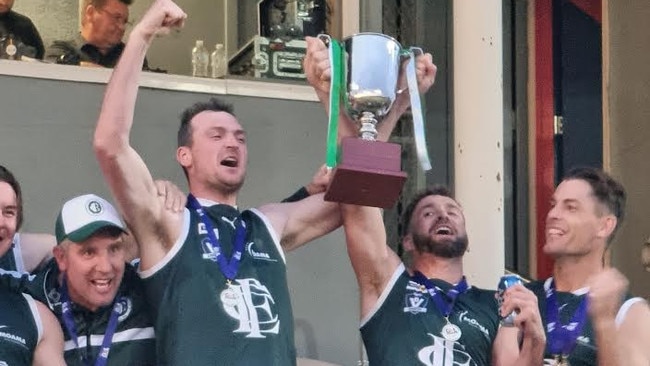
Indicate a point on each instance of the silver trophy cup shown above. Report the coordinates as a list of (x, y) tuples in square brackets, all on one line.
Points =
[(372, 68), (369, 172)]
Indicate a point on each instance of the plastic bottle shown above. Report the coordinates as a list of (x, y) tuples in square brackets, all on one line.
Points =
[(218, 61), (200, 60)]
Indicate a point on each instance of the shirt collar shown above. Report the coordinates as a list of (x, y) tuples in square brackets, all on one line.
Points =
[(207, 203)]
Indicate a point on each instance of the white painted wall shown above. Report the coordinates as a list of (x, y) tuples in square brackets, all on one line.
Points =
[(478, 134)]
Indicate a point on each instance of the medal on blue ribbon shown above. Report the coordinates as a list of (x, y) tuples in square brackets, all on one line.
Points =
[(562, 338), (450, 331), (227, 267)]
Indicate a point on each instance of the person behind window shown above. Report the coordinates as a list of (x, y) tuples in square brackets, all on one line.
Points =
[(20, 31), (100, 41)]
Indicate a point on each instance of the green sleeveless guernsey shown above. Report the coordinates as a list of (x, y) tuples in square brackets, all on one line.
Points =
[(200, 320), (20, 328), (405, 327), (584, 354)]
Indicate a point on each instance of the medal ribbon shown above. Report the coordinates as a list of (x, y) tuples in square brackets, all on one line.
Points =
[(331, 158), (562, 337), (227, 267), (68, 322), (445, 307), (416, 110)]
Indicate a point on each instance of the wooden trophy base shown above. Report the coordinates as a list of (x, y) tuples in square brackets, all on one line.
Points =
[(369, 174)]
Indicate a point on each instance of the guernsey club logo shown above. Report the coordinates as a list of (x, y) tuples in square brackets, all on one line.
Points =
[(255, 254), (416, 299)]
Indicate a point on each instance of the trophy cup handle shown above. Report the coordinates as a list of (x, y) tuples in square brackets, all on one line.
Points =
[(325, 38), (417, 51), (416, 108)]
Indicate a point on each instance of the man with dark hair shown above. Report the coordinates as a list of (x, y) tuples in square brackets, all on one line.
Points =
[(590, 319), (100, 41), (18, 35), (210, 259), (428, 314), (30, 333), (21, 252)]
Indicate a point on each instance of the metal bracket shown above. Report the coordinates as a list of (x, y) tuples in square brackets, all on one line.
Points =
[(558, 125)]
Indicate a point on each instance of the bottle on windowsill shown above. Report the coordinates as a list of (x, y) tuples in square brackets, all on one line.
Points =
[(219, 62), (200, 60)]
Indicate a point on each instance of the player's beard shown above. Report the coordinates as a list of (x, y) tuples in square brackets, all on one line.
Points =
[(452, 248)]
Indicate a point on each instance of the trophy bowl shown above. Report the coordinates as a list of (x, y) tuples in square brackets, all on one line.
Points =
[(372, 65), (369, 171)]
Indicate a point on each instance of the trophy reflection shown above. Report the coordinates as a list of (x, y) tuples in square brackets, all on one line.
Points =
[(368, 172)]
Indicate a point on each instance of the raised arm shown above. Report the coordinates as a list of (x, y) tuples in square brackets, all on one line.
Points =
[(372, 260), (49, 350), (127, 175), (620, 341), (307, 219)]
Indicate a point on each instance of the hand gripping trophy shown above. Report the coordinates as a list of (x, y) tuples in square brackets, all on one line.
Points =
[(365, 70)]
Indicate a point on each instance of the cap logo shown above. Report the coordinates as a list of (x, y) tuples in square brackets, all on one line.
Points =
[(94, 207)]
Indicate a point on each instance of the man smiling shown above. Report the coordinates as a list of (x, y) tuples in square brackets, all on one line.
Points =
[(97, 297)]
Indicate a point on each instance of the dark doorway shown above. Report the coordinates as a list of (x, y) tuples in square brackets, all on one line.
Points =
[(577, 66)]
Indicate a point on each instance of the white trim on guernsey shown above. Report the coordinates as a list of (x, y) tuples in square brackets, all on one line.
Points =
[(204, 202), (622, 312), (96, 340), (173, 251), (18, 254), (384, 294), (579, 292), (36, 315), (271, 230)]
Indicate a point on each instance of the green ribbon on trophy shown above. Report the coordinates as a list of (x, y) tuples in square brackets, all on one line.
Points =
[(334, 102), (365, 70)]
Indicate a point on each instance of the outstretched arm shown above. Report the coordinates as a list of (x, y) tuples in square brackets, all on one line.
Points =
[(127, 175)]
